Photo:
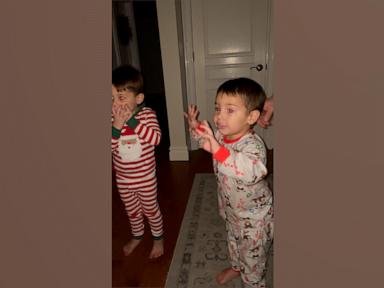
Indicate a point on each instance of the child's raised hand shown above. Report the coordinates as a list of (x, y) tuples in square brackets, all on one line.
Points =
[(121, 114), (207, 141), (192, 115)]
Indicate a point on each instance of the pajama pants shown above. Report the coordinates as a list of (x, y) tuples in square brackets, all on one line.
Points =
[(249, 246), (140, 198)]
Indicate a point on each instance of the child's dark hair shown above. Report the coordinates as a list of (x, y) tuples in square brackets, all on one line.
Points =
[(126, 76), (249, 90)]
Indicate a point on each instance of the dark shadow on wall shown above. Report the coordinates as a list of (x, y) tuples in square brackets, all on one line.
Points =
[(148, 42), (151, 64)]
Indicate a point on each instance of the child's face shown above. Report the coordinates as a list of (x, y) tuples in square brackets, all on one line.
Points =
[(231, 117), (114, 95), (122, 96)]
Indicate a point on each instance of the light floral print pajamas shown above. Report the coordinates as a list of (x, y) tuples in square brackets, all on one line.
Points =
[(245, 203)]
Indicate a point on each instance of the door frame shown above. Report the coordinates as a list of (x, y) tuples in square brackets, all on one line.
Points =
[(115, 41)]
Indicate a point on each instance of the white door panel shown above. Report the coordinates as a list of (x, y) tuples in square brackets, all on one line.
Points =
[(221, 35), (230, 38)]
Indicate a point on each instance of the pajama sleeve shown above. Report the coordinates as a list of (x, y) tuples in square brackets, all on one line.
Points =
[(147, 127), (194, 134), (115, 138), (248, 163)]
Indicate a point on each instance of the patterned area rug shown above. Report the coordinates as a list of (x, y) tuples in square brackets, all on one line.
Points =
[(201, 248)]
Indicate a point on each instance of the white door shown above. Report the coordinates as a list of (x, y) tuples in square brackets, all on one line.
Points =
[(230, 38)]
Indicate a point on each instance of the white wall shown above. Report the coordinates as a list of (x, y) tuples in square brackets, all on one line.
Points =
[(166, 13)]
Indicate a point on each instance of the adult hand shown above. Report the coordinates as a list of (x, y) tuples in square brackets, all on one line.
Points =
[(266, 115)]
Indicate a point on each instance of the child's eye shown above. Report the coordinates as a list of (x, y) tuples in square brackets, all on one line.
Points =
[(229, 110), (217, 109)]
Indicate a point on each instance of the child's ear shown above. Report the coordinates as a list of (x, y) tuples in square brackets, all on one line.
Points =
[(253, 117), (139, 98)]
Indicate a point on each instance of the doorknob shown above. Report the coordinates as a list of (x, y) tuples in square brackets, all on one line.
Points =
[(258, 67)]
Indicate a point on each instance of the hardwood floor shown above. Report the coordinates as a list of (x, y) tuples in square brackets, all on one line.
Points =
[(174, 184)]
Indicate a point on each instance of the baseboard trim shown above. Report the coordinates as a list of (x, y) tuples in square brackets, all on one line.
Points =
[(178, 153)]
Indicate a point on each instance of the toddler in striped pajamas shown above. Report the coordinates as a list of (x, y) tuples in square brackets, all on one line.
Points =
[(135, 133), (239, 160)]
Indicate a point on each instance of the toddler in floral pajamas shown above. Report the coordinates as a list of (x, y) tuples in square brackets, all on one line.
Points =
[(239, 160), (135, 133)]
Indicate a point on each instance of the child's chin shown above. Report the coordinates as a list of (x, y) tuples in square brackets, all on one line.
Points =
[(223, 132)]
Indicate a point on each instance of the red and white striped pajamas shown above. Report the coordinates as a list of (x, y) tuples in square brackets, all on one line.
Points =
[(133, 151)]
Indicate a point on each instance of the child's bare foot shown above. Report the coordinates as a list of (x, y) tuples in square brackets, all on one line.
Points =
[(157, 249), (130, 246), (226, 275)]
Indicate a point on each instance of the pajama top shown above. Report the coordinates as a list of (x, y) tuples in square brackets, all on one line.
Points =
[(240, 168), (133, 147)]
